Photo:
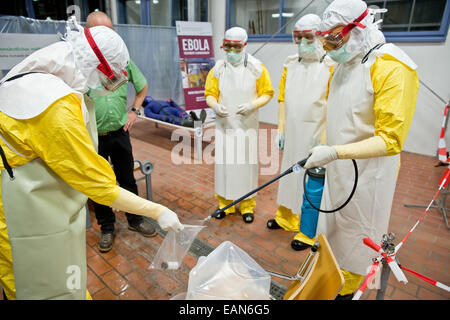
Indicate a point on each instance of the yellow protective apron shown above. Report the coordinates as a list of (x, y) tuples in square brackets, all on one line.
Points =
[(46, 221)]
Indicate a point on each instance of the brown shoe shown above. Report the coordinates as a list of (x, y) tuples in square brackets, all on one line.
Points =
[(144, 228), (106, 242)]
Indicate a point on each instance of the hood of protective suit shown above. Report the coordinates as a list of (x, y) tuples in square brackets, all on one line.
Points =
[(60, 68), (237, 34), (73, 60), (56, 59), (110, 44), (343, 12), (311, 22)]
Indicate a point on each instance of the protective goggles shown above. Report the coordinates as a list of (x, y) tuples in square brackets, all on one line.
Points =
[(110, 79), (231, 45), (298, 35), (334, 38)]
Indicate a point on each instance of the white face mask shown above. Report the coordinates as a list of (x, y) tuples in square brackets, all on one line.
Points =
[(340, 55), (306, 48), (234, 57)]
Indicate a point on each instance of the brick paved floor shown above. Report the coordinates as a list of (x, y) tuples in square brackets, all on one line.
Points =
[(188, 189)]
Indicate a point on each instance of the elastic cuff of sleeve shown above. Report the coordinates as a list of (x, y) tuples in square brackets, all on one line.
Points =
[(111, 197)]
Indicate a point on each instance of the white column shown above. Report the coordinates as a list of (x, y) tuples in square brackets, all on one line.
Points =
[(191, 10), (113, 9), (217, 12)]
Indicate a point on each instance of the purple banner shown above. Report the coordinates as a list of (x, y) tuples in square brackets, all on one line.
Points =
[(196, 59)]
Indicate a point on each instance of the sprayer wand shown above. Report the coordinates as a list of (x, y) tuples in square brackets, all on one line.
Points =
[(295, 168)]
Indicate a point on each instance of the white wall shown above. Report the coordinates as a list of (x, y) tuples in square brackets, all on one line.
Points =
[(433, 62)]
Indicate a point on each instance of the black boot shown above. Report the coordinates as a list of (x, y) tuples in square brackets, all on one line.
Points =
[(344, 297), (203, 115), (194, 116), (187, 123), (299, 246), (272, 224), (220, 215), (248, 217)]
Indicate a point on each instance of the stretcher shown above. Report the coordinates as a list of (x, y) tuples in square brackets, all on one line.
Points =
[(196, 132)]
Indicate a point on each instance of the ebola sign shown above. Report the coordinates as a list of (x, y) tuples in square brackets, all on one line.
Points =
[(196, 59), (195, 46)]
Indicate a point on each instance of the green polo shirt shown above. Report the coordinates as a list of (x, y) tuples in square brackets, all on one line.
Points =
[(111, 110)]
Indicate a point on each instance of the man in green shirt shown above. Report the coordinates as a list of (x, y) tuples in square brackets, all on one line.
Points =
[(113, 125)]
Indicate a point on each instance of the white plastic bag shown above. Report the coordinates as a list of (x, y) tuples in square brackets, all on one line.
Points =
[(173, 249), (228, 272)]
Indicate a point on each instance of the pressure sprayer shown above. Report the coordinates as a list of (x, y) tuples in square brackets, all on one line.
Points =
[(295, 168)]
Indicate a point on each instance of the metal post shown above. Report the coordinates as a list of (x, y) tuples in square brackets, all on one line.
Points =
[(148, 185), (198, 140), (385, 273), (146, 168), (440, 205)]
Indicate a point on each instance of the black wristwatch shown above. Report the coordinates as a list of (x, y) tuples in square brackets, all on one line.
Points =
[(138, 112)]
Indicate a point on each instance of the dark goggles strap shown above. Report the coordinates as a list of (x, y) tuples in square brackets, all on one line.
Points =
[(6, 164), (378, 46), (20, 75)]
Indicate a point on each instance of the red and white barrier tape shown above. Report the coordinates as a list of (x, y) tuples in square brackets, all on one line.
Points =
[(366, 281), (445, 179), (429, 280), (390, 258), (442, 151)]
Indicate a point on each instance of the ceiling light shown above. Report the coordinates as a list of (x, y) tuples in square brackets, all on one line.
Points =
[(284, 15)]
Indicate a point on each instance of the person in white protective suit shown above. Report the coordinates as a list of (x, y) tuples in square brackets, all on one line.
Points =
[(371, 102), (50, 165), (301, 120), (235, 89)]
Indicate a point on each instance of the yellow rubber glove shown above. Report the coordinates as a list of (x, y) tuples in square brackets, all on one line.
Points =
[(323, 136), (249, 106), (129, 202), (261, 101), (281, 117), (281, 125), (367, 148), (320, 156)]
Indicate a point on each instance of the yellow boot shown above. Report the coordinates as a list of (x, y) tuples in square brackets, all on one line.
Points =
[(246, 207), (222, 204), (285, 219), (301, 242), (351, 284)]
